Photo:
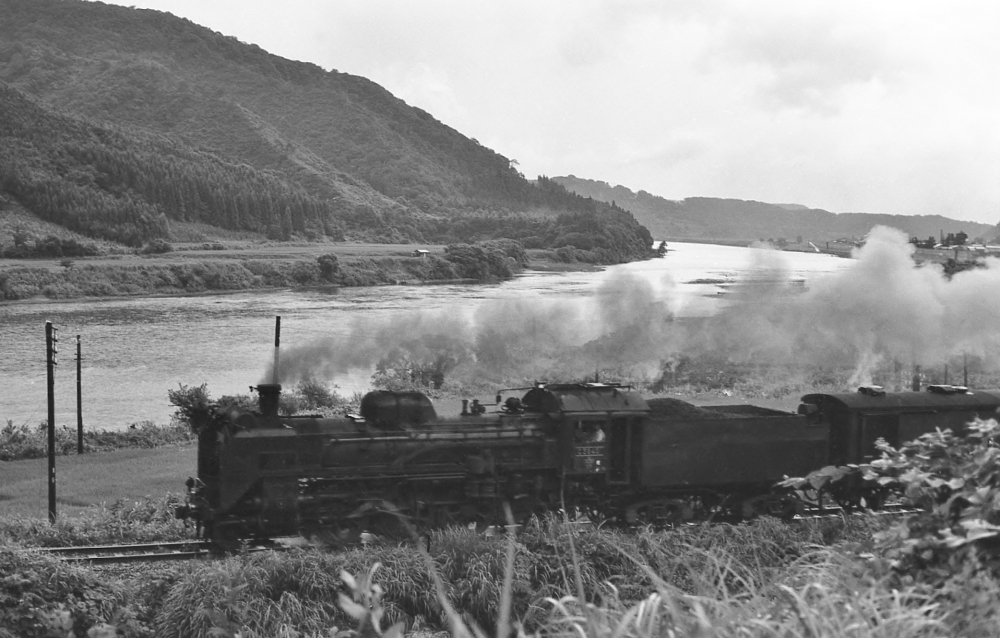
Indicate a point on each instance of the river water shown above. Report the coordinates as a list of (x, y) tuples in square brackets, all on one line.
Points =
[(135, 349)]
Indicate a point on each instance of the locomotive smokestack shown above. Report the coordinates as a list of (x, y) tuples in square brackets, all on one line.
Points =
[(277, 350), (268, 395)]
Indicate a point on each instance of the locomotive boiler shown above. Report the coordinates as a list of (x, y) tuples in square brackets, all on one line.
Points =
[(596, 449)]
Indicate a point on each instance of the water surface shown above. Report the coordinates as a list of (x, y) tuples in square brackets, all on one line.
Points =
[(135, 349)]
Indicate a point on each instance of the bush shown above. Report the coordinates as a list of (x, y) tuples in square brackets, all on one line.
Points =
[(148, 520), (156, 247), (316, 396), (329, 266), (305, 272), (482, 262), (42, 597), (194, 407), (566, 254), (955, 481), (50, 246)]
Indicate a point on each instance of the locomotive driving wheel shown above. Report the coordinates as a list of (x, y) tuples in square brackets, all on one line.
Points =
[(783, 505), (666, 511)]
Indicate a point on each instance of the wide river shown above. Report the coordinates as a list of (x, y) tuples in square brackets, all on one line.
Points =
[(135, 349)]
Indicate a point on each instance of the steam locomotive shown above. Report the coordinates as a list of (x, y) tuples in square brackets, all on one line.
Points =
[(596, 449)]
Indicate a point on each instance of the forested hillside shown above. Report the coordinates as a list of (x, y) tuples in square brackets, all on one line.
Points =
[(117, 121), (736, 219)]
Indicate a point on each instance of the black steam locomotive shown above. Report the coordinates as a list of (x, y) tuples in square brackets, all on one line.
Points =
[(601, 450)]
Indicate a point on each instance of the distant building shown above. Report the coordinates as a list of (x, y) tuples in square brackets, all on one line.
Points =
[(420, 252)]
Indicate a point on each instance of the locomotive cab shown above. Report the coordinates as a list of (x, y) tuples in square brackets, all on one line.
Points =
[(596, 426)]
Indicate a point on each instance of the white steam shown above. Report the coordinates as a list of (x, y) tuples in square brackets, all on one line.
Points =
[(882, 308)]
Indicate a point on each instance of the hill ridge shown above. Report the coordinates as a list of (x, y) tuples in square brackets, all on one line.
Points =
[(750, 220), (340, 155)]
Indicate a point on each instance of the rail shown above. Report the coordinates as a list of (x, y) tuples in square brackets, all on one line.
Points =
[(141, 552)]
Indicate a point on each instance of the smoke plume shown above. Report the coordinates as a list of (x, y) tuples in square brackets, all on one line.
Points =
[(882, 308)]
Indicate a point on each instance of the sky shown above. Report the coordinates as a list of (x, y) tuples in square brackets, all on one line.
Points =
[(887, 106)]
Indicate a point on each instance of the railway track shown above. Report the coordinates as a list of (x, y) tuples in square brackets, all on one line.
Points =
[(143, 552), (835, 511), (198, 549)]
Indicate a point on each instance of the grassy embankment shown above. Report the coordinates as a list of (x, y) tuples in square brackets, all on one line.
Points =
[(765, 578), (822, 578)]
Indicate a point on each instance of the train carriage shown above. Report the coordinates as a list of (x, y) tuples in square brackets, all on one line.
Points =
[(857, 420)]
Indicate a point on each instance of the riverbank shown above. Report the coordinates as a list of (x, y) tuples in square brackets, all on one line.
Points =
[(219, 268)]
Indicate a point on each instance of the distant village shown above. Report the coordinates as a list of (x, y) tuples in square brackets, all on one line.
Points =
[(957, 244)]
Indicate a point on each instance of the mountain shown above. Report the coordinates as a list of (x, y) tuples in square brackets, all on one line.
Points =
[(736, 219), (120, 122)]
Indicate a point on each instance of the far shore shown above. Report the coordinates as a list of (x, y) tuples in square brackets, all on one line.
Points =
[(235, 267)]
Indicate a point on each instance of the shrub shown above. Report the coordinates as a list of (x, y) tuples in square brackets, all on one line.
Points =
[(954, 480), (305, 272), (329, 266), (315, 395), (481, 262), (50, 246), (566, 254), (156, 247), (148, 520), (42, 597), (194, 407)]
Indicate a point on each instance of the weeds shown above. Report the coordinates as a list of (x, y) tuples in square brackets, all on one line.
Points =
[(24, 442), (146, 521), (764, 578)]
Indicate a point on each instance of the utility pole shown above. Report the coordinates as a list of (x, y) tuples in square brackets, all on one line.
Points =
[(277, 348), (79, 400), (51, 348)]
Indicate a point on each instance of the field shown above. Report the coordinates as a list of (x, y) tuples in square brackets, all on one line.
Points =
[(88, 480), (238, 265)]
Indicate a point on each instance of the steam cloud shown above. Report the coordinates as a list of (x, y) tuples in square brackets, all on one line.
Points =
[(882, 308)]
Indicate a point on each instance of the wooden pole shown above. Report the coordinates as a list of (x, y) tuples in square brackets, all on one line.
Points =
[(50, 364), (277, 344), (79, 400)]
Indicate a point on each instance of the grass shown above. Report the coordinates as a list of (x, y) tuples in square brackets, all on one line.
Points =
[(83, 481), (143, 520), (192, 269), (18, 442), (764, 578), (817, 579)]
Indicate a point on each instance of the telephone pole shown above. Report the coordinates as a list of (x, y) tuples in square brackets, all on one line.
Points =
[(79, 400), (51, 348)]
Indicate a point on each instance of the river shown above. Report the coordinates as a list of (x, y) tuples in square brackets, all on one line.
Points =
[(135, 349)]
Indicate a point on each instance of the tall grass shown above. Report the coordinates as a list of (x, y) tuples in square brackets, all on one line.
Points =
[(141, 521), (767, 578), (26, 442), (764, 578)]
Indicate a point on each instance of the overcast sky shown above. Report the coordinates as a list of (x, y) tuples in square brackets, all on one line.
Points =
[(869, 106)]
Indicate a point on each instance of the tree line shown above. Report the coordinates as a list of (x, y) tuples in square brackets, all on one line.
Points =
[(126, 185)]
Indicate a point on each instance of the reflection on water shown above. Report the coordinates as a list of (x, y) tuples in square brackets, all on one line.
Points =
[(134, 350)]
